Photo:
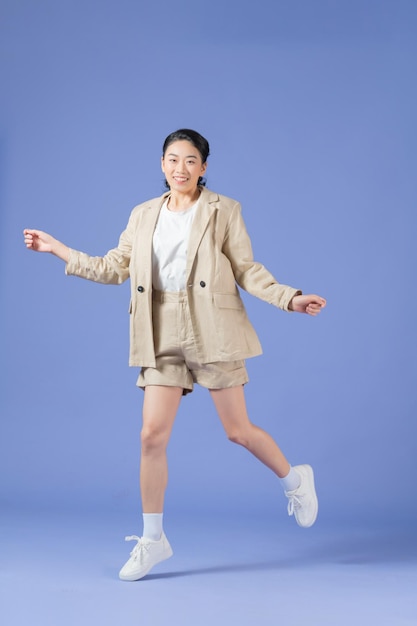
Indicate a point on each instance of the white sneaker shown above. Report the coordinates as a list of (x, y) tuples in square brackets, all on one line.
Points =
[(302, 502), (144, 556)]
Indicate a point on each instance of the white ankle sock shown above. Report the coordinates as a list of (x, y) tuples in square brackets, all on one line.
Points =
[(152, 526), (291, 481)]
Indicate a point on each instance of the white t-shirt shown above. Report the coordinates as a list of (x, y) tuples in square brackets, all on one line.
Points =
[(170, 244)]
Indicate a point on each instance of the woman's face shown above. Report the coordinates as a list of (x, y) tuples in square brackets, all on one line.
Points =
[(182, 165)]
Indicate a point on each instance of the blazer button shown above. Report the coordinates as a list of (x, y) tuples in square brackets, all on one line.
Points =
[(141, 289), (202, 283)]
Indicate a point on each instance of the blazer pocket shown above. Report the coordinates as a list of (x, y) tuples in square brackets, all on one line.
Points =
[(227, 301)]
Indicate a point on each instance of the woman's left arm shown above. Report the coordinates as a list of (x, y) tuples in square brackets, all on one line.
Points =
[(255, 278), (250, 275)]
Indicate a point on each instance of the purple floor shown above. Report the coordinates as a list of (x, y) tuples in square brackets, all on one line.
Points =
[(62, 570)]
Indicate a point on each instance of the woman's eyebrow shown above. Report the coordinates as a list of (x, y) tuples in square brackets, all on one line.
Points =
[(190, 156)]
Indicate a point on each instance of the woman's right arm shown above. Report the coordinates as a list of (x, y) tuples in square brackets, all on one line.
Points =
[(42, 242), (110, 269)]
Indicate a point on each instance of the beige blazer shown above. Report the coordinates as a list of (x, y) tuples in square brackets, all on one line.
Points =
[(219, 257)]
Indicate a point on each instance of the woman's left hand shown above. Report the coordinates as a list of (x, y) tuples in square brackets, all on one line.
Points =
[(310, 304)]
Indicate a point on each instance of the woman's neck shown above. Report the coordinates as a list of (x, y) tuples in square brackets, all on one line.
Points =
[(182, 201)]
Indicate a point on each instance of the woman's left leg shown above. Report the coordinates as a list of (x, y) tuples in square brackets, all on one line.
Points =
[(298, 481), (231, 407)]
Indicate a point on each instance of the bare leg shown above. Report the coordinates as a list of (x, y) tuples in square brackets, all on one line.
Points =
[(160, 407), (231, 406)]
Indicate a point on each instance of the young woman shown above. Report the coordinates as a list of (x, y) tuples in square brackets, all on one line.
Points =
[(185, 253)]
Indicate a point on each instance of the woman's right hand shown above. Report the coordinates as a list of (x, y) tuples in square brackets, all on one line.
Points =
[(42, 242), (38, 240)]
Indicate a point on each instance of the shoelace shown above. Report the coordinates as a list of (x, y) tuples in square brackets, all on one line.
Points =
[(142, 544), (293, 503)]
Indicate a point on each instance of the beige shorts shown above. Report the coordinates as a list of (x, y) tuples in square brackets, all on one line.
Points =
[(176, 359)]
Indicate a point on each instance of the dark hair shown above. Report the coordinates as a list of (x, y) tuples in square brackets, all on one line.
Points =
[(197, 140)]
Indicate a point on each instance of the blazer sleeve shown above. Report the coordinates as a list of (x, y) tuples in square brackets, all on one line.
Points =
[(252, 276), (110, 269)]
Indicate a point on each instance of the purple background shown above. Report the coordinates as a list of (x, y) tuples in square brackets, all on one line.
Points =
[(309, 108)]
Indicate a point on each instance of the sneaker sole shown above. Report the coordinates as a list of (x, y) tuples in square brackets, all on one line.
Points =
[(308, 475)]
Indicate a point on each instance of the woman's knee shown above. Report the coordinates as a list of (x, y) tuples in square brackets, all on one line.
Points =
[(239, 436), (153, 440)]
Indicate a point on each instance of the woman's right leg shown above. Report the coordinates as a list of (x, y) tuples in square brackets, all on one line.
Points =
[(160, 406)]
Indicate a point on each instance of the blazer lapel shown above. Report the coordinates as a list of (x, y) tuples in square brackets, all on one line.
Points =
[(208, 204), (146, 229)]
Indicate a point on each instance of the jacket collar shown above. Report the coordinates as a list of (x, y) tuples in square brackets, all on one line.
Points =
[(208, 204), (206, 197)]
